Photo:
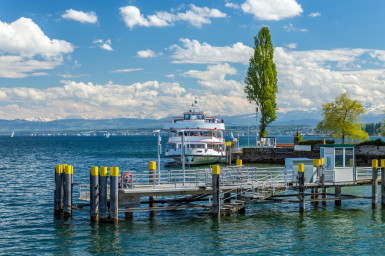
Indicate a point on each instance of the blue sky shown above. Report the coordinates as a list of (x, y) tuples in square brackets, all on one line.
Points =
[(149, 59)]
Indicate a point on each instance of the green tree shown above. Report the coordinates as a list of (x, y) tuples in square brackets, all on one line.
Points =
[(261, 80), (383, 126), (340, 119)]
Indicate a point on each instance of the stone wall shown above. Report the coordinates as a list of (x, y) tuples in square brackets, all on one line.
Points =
[(364, 155), (272, 155)]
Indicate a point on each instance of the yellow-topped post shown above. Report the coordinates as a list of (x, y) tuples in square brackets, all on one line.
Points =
[(215, 207), (114, 190), (152, 172), (103, 171), (103, 214), (383, 183), (68, 177), (59, 194), (239, 162), (374, 183), (216, 169), (316, 162), (301, 187), (301, 167), (94, 193)]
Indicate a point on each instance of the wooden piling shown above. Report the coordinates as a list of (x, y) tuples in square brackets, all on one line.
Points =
[(215, 207), (337, 193), (103, 213), (58, 208), (94, 194), (374, 183), (114, 190), (301, 187), (68, 173), (383, 183), (314, 191), (152, 180)]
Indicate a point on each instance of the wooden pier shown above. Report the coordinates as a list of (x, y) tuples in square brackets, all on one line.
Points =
[(219, 192)]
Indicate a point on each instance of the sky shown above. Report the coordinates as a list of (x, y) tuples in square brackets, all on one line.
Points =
[(150, 59)]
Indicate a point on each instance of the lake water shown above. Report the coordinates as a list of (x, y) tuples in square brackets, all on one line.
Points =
[(28, 227)]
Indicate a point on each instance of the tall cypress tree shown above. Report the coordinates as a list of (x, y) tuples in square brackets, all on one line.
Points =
[(261, 80)]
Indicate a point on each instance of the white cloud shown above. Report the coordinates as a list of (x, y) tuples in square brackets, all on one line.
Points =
[(195, 52), (83, 17), (272, 9), (214, 79), (196, 16), (24, 49), (146, 54), (290, 28), (291, 45), (126, 70), (307, 79), (314, 14), (139, 100), (105, 45), (232, 5)]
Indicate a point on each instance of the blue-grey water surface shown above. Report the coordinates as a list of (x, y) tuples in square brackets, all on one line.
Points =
[(28, 227)]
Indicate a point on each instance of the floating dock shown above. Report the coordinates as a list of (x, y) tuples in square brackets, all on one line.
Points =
[(215, 191)]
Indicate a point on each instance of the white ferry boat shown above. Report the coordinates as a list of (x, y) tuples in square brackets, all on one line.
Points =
[(201, 135)]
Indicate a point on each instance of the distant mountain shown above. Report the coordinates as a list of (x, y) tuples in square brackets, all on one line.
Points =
[(306, 117)]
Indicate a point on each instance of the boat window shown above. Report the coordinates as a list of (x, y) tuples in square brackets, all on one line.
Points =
[(187, 117)]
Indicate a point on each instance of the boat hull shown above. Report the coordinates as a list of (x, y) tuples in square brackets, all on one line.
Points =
[(198, 160)]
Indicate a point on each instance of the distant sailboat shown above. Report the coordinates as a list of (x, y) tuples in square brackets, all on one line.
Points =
[(13, 134)]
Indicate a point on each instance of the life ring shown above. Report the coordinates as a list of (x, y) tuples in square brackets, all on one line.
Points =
[(128, 174)]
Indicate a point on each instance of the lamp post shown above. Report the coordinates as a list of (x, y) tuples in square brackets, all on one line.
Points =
[(183, 158), (256, 126)]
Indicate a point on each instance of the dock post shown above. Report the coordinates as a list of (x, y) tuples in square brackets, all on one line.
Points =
[(58, 209), (114, 192), (68, 173), (374, 183), (316, 164), (324, 189), (215, 207), (337, 193), (152, 180), (103, 214), (94, 194), (383, 183), (301, 190)]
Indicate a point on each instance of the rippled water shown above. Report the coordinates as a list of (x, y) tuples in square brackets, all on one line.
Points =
[(27, 224)]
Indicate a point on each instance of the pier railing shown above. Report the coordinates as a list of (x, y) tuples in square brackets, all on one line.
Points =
[(203, 177)]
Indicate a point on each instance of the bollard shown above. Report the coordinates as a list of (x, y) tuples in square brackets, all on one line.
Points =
[(239, 162), (152, 180), (114, 190), (103, 214), (94, 194), (58, 208), (215, 207), (383, 183), (374, 183), (301, 190), (68, 173)]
